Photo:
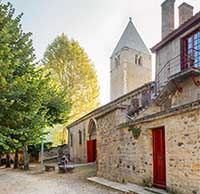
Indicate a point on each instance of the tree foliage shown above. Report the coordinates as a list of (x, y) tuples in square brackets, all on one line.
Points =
[(28, 99), (72, 71), (58, 135)]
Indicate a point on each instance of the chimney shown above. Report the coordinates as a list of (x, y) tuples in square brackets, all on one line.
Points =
[(167, 17), (185, 13)]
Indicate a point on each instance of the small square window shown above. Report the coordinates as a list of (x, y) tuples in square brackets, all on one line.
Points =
[(140, 62)]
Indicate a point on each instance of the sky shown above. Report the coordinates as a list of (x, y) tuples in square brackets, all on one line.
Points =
[(96, 24)]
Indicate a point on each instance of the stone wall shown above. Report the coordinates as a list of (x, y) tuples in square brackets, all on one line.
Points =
[(78, 152), (190, 92), (120, 156), (54, 151), (123, 158)]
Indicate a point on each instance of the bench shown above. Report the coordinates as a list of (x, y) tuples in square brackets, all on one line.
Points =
[(65, 168), (49, 168)]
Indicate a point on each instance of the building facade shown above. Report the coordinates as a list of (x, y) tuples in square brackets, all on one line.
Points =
[(150, 136), (160, 146), (130, 73), (83, 132)]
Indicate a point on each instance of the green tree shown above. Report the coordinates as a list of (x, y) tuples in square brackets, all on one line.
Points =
[(58, 135), (29, 101), (72, 70)]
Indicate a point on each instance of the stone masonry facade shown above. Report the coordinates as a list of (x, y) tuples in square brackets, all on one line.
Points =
[(78, 152), (172, 103), (128, 74), (121, 157)]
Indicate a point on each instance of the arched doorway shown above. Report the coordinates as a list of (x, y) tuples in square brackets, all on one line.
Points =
[(91, 143)]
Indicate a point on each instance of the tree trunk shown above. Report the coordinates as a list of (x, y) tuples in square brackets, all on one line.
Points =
[(0, 160), (7, 161), (26, 160), (16, 163)]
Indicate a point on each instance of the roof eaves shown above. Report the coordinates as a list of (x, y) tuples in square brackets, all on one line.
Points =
[(155, 116), (184, 27), (108, 105)]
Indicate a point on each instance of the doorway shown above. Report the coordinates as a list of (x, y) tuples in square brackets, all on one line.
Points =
[(159, 163), (91, 150)]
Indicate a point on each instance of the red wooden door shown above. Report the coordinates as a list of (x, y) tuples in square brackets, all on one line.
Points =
[(159, 166), (91, 150)]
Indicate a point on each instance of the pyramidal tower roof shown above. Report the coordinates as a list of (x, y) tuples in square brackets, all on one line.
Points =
[(131, 39)]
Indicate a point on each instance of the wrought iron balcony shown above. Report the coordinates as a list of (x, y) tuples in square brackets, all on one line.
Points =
[(179, 68)]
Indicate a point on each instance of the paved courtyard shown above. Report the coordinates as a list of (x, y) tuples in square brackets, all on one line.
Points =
[(32, 182)]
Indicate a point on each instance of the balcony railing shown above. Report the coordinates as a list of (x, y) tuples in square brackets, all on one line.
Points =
[(177, 65)]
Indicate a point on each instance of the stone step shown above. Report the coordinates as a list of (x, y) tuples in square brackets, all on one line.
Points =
[(156, 190), (84, 164), (127, 188)]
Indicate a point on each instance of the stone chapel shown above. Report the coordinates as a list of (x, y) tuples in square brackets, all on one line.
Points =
[(130, 63), (130, 82)]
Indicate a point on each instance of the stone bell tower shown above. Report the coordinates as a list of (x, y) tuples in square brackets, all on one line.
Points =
[(130, 63)]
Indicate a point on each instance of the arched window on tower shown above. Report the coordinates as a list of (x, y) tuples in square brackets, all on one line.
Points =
[(117, 61), (136, 59), (140, 62)]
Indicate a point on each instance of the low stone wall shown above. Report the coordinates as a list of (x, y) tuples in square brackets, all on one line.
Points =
[(121, 157), (56, 151)]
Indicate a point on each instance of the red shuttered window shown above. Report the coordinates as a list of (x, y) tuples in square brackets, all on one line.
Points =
[(190, 50)]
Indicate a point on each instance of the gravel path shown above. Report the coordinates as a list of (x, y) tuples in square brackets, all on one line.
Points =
[(19, 182)]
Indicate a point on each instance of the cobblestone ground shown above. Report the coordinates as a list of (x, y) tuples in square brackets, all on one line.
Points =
[(32, 182)]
